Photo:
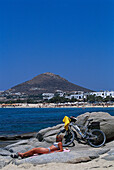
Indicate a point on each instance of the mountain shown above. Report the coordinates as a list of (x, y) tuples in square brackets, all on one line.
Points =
[(47, 82)]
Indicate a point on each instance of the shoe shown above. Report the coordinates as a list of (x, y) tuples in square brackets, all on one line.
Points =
[(15, 155)]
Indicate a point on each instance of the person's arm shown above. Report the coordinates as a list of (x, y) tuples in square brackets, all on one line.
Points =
[(60, 147)]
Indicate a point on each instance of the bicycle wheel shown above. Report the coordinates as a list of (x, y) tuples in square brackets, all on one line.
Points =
[(68, 137), (97, 138)]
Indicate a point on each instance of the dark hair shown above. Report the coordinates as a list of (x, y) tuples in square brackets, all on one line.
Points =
[(60, 137)]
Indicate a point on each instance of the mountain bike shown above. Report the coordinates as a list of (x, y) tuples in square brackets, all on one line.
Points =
[(94, 137)]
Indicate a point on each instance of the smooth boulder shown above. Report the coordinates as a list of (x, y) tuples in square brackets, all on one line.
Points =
[(105, 120)]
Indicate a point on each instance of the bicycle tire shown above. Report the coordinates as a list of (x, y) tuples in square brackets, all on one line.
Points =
[(101, 138), (68, 136)]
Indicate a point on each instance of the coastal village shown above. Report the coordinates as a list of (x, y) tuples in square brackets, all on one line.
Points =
[(48, 90), (10, 99)]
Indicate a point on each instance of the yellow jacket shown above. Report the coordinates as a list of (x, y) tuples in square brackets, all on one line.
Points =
[(66, 120)]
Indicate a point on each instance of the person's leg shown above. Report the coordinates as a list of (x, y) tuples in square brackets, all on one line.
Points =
[(33, 151)]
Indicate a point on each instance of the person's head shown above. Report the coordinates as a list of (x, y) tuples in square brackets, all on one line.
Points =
[(59, 138)]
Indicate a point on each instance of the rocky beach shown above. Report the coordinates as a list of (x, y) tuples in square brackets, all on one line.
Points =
[(81, 155), (56, 85)]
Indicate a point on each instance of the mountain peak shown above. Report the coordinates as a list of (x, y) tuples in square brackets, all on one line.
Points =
[(47, 82), (49, 73), (52, 75)]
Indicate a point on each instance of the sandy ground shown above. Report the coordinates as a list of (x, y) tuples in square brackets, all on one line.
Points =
[(99, 164), (50, 106)]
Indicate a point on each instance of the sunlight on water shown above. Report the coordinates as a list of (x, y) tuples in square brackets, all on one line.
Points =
[(18, 121)]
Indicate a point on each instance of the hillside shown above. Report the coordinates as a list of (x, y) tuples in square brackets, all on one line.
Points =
[(47, 82)]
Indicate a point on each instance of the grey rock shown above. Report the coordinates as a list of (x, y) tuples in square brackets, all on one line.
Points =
[(50, 139), (110, 145), (48, 132), (79, 153), (20, 148), (53, 131), (44, 131), (15, 137), (4, 152), (103, 151), (111, 152), (60, 157), (95, 167), (35, 143), (4, 160), (109, 157), (79, 160), (105, 119), (82, 119), (22, 142)]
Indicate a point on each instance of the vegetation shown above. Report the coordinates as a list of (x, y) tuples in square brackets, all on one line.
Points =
[(58, 99), (93, 99)]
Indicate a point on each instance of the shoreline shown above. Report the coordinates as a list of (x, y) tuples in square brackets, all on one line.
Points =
[(52, 105), (81, 156), (103, 160)]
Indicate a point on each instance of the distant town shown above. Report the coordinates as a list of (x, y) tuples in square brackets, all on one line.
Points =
[(58, 99), (50, 90)]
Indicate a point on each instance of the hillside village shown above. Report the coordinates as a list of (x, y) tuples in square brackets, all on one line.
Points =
[(79, 95), (51, 88), (18, 97)]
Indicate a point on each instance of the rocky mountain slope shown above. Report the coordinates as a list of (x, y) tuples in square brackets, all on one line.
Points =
[(47, 82)]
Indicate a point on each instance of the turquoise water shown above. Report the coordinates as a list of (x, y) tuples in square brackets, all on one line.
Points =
[(23, 120)]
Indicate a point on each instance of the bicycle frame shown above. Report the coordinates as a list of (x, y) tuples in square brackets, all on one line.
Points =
[(78, 129)]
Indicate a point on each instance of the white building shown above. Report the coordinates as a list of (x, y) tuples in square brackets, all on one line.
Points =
[(109, 93), (103, 94), (77, 95), (60, 93), (47, 96)]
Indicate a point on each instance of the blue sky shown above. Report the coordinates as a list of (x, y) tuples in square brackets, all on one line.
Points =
[(71, 38)]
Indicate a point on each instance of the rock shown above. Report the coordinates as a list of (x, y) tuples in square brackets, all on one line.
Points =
[(103, 151), (16, 137), (50, 139), (111, 152), (42, 134), (20, 148), (34, 142), (4, 152), (4, 160), (23, 142), (110, 145), (28, 135), (60, 157), (109, 157), (79, 152), (106, 122), (79, 160)]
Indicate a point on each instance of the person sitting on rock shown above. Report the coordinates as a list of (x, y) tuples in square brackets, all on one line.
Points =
[(56, 147)]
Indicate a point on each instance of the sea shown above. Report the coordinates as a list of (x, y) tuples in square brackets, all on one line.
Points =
[(14, 121)]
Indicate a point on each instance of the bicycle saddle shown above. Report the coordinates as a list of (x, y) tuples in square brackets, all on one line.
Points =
[(73, 119)]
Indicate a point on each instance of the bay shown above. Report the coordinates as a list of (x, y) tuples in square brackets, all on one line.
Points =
[(24, 120)]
